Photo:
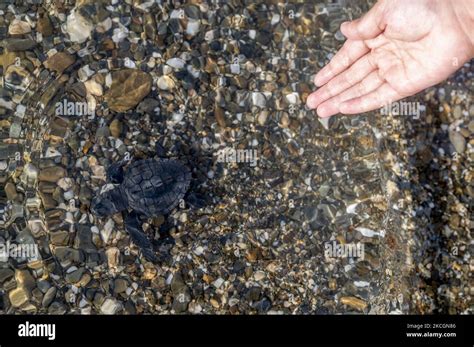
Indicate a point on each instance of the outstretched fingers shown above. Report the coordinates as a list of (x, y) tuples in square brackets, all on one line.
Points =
[(368, 84), (383, 95), (345, 80), (350, 52)]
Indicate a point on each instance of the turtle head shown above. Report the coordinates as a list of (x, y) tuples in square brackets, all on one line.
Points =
[(110, 202)]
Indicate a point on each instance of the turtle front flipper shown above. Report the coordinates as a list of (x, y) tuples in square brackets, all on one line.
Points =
[(110, 202), (115, 172), (133, 226)]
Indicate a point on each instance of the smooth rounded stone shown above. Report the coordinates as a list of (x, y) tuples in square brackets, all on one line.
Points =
[(262, 117), (457, 112), (293, 98), (116, 128), (253, 293), (107, 230), (339, 36), (85, 194), (458, 141), (94, 87), (69, 195), (285, 120), (16, 78), (165, 83), (74, 276), (18, 27), (192, 11), (113, 257), (84, 73), (220, 116), (120, 34), (67, 255), (5, 274), (59, 238), (259, 275), (15, 45), (78, 27), (49, 297), (52, 174), (19, 296), (59, 62), (149, 105), (66, 183), (194, 308), (128, 88), (354, 302), (176, 63), (24, 279), (471, 126), (43, 285), (57, 308), (263, 305), (181, 301), (120, 285), (111, 306), (192, 28), (258, 99), (44, 25), (10, 191), (103, 131)]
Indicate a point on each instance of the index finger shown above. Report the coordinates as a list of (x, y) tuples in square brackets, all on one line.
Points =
[(349, 53)]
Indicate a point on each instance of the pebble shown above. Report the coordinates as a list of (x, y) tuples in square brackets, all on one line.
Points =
[(354, 302), (120, 285), (44, 25), (19, 296), (93, 87), (457, 112), (113, 256), (59, 62), (128, 88), (52, 174), (176, 63), (165, 83), (258, 99), (111, 306), (116, 128), (78, 27), (16, 44), (262, 117), (49, 297), (18, 27), (24, 279), (458, 141)]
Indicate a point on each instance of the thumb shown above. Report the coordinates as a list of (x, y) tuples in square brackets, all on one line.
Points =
[(368, 26)]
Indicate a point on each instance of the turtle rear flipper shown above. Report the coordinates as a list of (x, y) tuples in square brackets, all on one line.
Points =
[(133, 226)]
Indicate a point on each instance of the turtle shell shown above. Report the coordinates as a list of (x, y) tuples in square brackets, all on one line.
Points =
[(155, 187)]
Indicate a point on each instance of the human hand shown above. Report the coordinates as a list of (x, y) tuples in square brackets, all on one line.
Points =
[(395, 50)]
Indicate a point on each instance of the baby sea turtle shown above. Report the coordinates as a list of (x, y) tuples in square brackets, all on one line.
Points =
[(149, 187)]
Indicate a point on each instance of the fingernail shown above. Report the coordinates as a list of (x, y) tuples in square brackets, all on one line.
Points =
[(328, 109), (310, 102), (344, 25), (318, 79), (323, 112)]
